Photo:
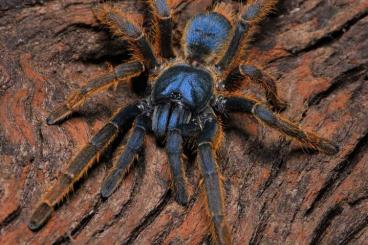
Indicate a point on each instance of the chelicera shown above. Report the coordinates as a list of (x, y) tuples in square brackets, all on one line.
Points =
[(187, 94)]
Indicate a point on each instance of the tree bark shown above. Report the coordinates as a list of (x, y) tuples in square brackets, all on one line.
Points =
[(275, 192)]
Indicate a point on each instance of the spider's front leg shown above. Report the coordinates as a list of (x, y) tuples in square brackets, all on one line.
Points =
[(122, 165), (129, 27), (236, 76), (94, 86), (79, 165), (250, 15), (212, 181), (267, 116)]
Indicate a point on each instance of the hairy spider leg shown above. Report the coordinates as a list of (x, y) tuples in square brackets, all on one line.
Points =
[(265, 115), (212, 182), (234, 79), (129, 27), (249, 17), (163, 18), (94, 86), (120, 123), (124, 162)]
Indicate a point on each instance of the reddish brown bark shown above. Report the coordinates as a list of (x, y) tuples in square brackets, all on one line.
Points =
[(275, 192)]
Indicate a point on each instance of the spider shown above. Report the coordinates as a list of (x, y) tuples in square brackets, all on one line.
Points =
[(187, 94)]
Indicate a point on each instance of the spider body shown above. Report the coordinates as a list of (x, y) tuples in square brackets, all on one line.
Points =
[(187, 98)]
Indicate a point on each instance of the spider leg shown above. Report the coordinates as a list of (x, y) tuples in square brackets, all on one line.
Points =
[(79, 165), (212, 182), (128, 27), (122, 165), (94, 86), (252, 72), (163, 17), (267, 116), (249, 17)]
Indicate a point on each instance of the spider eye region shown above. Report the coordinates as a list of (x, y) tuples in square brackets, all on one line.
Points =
[(205, 35)]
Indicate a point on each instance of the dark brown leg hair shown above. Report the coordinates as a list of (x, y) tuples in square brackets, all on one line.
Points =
[(129, 27), (79, 165), (163, 16), (267, 116), (212, 182), (94, 86), (252, 13), (235, 78)]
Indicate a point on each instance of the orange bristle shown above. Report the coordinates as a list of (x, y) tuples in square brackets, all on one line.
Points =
[(265, 7), (226, 10), (106, 13)]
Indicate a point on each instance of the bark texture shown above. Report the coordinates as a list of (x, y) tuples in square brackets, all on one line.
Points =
[(276, 193)]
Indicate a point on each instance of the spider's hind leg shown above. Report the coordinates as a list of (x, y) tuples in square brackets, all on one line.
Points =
[(79, 165), (122, 165), (94, 86)]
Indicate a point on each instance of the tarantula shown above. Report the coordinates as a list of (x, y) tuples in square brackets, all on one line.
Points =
[(186, 96)]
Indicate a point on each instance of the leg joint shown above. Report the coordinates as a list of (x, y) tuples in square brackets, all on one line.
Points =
[(209, 143)]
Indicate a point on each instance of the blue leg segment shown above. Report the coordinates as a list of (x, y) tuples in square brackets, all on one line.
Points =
[(124, 162), (175, 150), (212, 183)]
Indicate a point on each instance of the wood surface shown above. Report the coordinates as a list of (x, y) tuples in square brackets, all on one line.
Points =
[(276, 192)]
